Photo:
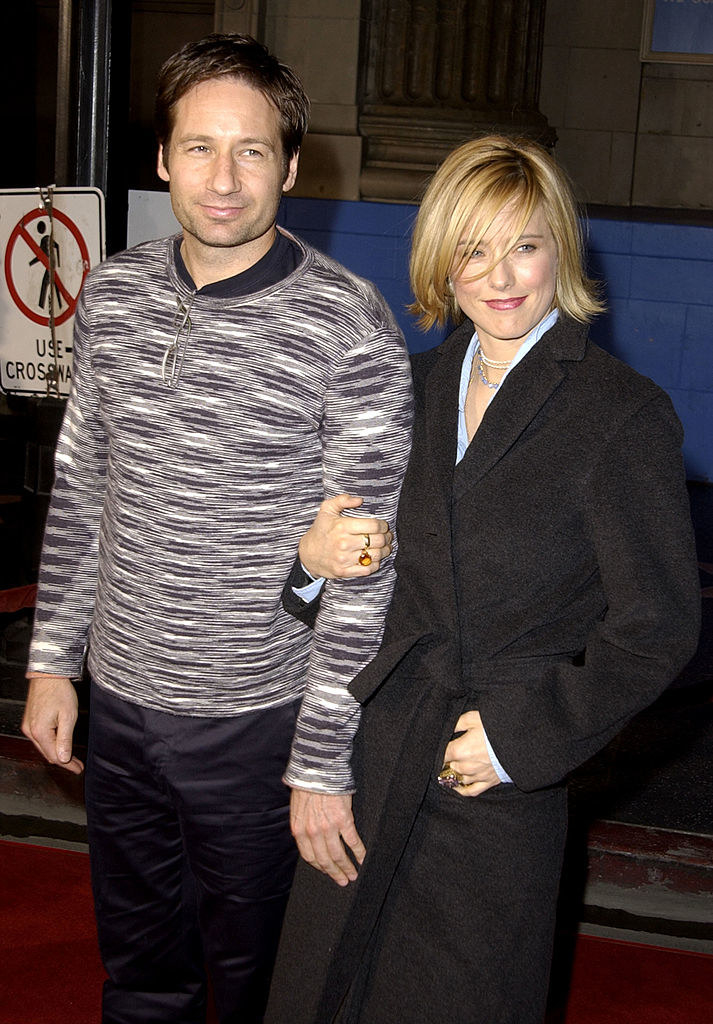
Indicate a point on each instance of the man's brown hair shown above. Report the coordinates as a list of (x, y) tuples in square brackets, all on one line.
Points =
[(234, 56)]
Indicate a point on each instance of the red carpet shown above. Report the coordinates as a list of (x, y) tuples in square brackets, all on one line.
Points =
[(18, 598), (50, 971), (625, 983)]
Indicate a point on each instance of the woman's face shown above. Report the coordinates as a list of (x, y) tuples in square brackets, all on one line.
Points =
[(507, 302)]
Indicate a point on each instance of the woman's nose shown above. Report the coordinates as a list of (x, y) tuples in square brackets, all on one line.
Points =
[(501, 276)]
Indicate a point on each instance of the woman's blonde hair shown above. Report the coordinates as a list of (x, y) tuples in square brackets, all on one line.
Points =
[(468, 191)]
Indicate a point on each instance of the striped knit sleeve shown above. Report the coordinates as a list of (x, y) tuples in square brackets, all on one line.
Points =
[(366, 443), (68, 574)]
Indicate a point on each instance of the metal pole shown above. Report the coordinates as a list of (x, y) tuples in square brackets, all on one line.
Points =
[(92, 148), (64, 93)]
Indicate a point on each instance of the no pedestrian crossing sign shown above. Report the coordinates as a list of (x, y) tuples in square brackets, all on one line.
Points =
[(49, 240)]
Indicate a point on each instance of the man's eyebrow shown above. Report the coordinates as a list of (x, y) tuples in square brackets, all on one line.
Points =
[(249, 141)]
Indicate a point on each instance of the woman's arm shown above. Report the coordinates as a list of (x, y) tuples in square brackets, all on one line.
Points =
[(639, 522)]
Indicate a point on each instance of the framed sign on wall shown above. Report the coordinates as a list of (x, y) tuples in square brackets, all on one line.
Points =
[(678, 31)]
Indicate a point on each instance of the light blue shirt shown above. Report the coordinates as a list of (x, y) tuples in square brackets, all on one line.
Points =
[(470, 354), (310, 590)]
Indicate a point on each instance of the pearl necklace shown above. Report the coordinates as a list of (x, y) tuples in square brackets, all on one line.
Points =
[(493, 363)]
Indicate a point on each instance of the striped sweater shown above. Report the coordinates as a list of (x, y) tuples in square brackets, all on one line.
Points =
[(176, 511)]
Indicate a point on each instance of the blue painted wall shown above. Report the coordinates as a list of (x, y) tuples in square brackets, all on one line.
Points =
[(658, 281)]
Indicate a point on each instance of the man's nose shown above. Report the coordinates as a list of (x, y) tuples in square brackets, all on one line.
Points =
[(224, 177)]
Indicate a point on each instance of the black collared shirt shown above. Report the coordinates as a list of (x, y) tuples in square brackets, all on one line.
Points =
[(282, 258)]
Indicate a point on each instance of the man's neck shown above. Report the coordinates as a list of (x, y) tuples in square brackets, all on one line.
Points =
[(209, 263)]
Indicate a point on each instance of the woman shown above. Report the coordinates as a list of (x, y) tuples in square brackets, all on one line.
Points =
[(547, 591)]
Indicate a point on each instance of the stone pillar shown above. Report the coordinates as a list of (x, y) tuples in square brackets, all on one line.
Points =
[(320, 40), (246, 16), (437, 72)]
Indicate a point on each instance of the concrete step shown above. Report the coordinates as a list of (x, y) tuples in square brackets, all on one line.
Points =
[(649, 879), (37, 800)]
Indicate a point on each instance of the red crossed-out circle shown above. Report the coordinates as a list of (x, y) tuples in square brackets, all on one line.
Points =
[(19, 231)]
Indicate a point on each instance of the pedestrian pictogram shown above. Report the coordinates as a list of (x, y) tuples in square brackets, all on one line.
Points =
[(47, 249), (50, 248), (30, 300)]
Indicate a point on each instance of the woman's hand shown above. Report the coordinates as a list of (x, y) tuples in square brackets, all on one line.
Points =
[(468, 755), (332, 545)]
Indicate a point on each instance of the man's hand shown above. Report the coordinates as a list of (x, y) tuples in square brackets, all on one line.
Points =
[(50, 715), (468, 755), (322, 823), (332, 545)]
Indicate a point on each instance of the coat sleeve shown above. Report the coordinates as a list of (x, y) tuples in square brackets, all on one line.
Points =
[(305, 611), (68, 573), (639, 521), (366, 440)]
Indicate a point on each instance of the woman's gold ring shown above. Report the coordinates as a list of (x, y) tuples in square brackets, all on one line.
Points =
[(364, 557), (449, 777)]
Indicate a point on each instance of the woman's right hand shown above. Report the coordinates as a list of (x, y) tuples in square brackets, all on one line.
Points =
[(332, 545)]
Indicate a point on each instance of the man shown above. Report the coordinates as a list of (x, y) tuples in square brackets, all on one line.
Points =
[(226, 381)]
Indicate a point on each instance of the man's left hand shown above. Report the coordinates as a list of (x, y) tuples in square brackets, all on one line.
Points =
[(323, 826)]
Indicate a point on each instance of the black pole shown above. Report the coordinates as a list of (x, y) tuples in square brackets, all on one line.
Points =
[(94, 94), (93, 74)]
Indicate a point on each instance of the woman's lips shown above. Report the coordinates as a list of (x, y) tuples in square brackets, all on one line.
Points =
[(505, 304)]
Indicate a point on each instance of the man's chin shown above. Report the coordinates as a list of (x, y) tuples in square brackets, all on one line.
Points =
[(223, 239)]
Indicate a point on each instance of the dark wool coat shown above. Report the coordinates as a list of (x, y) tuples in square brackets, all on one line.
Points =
[(549, 581)]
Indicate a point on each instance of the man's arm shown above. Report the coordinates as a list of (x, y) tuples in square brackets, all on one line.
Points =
[(366, 440), (323, 826), (68, 572)]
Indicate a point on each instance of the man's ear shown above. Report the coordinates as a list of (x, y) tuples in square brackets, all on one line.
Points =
[(161, 168), (291, 172)]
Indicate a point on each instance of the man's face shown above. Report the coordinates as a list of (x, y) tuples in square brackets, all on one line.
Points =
[(227, 172)]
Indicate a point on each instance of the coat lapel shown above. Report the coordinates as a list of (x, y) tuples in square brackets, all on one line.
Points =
[(526, 390), (441, 408)]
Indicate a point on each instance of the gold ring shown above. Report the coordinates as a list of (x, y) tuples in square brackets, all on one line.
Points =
[(367, 540), (449, 777), (364, 557)]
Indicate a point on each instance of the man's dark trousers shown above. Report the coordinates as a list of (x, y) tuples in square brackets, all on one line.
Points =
[(192, 858)]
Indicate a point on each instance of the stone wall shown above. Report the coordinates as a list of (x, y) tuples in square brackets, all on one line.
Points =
[(320, 39), (629, 133)]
